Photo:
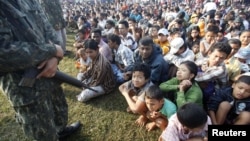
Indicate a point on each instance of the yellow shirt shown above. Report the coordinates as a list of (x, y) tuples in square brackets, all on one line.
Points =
[(165, 46), (202, 28)]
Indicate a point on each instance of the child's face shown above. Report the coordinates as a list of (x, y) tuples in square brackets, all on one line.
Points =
[(138, 79), (210, 36), (81, 36), (92, 54), (177, 34), (111, 44), (245, 38), (235, 48), (154, 31), (153, 104), (183, 73), (220, 36), (196, 48), (194, 33), (83, 56), (216, 58), (162, 38), (241, 90)]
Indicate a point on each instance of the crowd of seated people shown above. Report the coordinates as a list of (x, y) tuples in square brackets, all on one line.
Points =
[(176, 57)]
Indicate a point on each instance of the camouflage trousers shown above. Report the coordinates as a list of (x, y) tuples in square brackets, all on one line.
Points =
[(44, 118)]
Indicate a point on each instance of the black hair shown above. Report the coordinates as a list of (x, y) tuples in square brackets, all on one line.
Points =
[(142, 67), (221, 47), (218, 13), (83, 30), (244, 31), (114, 38), (91, 44), (211, 14), (156, 26), (221, 31), (195, 28), (192, 67), (83, 18), (174, 30), (146, 41), (124, 22), (132, 19), (154, 92), (95, 20), (189, 37), (243, 79), (213, 28), (97, 30), (111, 23), (234, 41), (192, 115), (179, 21), (181, 15)]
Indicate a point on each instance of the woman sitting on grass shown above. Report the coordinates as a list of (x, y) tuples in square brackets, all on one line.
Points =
[(99, 75), (183, 86)]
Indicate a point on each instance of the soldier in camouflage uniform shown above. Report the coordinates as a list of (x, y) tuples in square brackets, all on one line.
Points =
[(27, 40), (53, 11)]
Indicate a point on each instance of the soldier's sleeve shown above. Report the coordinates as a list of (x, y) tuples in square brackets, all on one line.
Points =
[(16, 54)]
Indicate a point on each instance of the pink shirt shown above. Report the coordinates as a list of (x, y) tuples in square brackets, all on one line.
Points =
[(175, 132)]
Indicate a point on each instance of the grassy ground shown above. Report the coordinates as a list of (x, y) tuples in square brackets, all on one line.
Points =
[(103, 118)]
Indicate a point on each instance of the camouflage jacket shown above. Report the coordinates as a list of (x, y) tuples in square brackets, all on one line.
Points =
[(25, 36), (53, 11)]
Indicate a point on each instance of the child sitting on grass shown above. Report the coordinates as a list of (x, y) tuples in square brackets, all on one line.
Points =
[(82, 63), (159, 108), (82, 36), (190, 123), (134, 91), (232, 106)]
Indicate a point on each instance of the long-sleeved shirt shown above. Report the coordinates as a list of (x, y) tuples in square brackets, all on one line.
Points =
[(124, 56), (25, 35), (193, 94), (188, 55), (216, 73)]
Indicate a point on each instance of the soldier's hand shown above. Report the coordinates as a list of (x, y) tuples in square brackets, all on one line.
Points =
[(48, 67), (59, 50)]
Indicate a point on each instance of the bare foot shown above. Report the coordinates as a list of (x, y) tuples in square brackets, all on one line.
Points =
[(141, 121), (150, 126)]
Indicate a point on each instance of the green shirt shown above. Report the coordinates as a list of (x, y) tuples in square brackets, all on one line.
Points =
[(193, 94), (168, 108)]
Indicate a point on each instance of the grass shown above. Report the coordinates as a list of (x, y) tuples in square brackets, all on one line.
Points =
[(103, 118)]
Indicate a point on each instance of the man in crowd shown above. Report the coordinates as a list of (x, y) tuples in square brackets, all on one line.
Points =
[(150, 53)]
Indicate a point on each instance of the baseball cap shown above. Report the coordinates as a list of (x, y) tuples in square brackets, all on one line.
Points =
[(163, 31), (194, 15), (176, 44), (243, 53)]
